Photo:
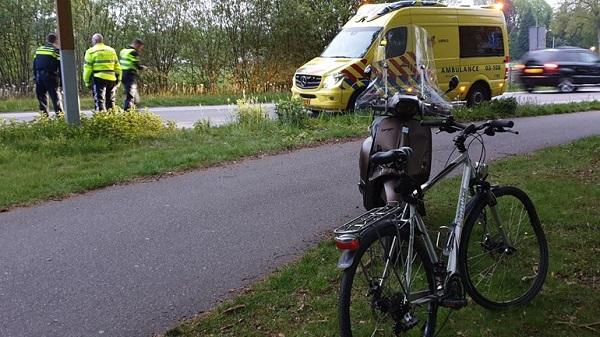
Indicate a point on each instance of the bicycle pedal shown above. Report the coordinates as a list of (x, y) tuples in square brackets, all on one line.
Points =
[(454, 303)]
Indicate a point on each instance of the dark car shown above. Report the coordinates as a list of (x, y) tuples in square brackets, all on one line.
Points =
[(564, 68)]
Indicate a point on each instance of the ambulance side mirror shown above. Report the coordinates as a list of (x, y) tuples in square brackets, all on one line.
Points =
[(368, 70), (454, 81)]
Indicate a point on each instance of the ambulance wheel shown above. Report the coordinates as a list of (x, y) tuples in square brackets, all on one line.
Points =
[(352, 102), (478, 94)]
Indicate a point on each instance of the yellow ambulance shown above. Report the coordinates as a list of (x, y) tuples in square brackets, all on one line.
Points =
[(471, 42)]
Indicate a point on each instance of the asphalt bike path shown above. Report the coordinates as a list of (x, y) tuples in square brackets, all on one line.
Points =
[(131, 260)]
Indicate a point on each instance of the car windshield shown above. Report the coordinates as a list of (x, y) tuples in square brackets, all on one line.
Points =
[(351, 42)]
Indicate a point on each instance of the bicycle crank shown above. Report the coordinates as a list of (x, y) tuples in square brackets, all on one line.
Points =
[(455, 296)]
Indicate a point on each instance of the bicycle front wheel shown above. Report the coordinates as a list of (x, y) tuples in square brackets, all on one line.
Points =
[(378, 297), (503, 256)]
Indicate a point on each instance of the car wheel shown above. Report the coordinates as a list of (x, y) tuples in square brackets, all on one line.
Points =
[(478, 94), (315, 113), (566, 85), (352, 102)]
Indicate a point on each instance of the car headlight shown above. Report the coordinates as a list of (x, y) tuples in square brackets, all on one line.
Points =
[(332, 80)]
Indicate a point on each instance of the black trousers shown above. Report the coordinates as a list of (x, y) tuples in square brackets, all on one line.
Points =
[(104, 93), (48, 84), (132, 97)]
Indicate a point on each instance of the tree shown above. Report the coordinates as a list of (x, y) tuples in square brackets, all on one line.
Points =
[(578, 23), (522, 15)]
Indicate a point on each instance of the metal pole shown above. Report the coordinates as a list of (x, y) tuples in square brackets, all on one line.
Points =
[(67, 61)]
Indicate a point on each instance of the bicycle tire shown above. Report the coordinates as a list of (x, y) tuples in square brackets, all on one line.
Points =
[(491, 247), (375, 236)]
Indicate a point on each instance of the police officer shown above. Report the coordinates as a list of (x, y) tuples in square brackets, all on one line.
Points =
[(130, 63), (46, 72), (102, 73)]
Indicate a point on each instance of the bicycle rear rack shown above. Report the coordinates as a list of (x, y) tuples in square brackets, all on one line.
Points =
[(370, 218)]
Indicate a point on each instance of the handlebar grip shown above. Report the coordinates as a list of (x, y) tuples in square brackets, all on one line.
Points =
[(502, 124)]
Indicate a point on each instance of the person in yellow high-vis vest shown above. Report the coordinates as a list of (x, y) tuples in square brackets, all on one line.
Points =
[(102, 73), (46, 72), (130, 63)]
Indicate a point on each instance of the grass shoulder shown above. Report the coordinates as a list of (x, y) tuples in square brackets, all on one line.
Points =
[(300, 299), (510, 108)]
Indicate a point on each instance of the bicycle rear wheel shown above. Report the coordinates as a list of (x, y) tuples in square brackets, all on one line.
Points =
[(504, 264), (372, 297)]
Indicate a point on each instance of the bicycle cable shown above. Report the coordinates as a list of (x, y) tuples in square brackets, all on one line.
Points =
[(449, 157), (479, 137)]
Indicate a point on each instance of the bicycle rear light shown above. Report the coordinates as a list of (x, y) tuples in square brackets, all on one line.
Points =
[(347, 242)]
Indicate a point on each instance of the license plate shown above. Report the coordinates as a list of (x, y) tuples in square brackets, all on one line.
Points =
[(306, 101), (534, 71)]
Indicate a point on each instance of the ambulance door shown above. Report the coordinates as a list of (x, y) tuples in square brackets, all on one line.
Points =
[(442, 27)]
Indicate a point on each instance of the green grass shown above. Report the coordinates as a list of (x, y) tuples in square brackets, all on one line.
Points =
[(300, 299), (31, 104), (40, 162), (505, 109)]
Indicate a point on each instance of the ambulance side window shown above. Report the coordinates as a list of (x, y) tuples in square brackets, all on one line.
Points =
[(396, 42), (481, 41)]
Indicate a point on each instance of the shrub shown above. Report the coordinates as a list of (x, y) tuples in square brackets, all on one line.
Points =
[(202, 125), (41, 128), (250, 113), (131, 125), (494, 109), (291, 112), (113, 125)]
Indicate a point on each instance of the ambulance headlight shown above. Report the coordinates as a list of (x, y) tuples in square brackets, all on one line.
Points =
[(332, 80)]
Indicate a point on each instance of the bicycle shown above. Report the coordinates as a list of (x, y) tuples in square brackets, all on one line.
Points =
[(394, 281)]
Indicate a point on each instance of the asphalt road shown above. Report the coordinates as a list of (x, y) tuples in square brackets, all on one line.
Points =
[(131, 260), (554, 97), (221, 114)]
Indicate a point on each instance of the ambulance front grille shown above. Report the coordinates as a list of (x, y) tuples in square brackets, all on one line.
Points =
[(307, 81)]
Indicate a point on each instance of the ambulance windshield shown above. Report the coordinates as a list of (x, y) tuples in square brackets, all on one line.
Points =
[(351, 42), (403, 66)]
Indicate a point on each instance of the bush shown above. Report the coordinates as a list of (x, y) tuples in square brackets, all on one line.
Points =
[(125, 125), (291, 112), (494, 109), (250, 113), (114, 125), (202, 125), (40, 129)]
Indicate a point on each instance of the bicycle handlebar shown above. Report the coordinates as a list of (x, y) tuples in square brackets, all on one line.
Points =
[(501, 124), (450, 126)]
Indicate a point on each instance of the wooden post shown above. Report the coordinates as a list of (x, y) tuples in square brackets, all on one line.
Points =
[(67, 61)]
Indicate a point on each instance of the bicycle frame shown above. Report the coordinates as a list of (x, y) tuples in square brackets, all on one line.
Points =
[(452, 245)]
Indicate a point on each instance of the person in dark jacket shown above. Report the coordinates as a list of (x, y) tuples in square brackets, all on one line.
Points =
[(46, 72), (130, 63)]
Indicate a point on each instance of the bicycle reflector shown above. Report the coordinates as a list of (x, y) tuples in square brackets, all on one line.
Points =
[(347, 242)]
